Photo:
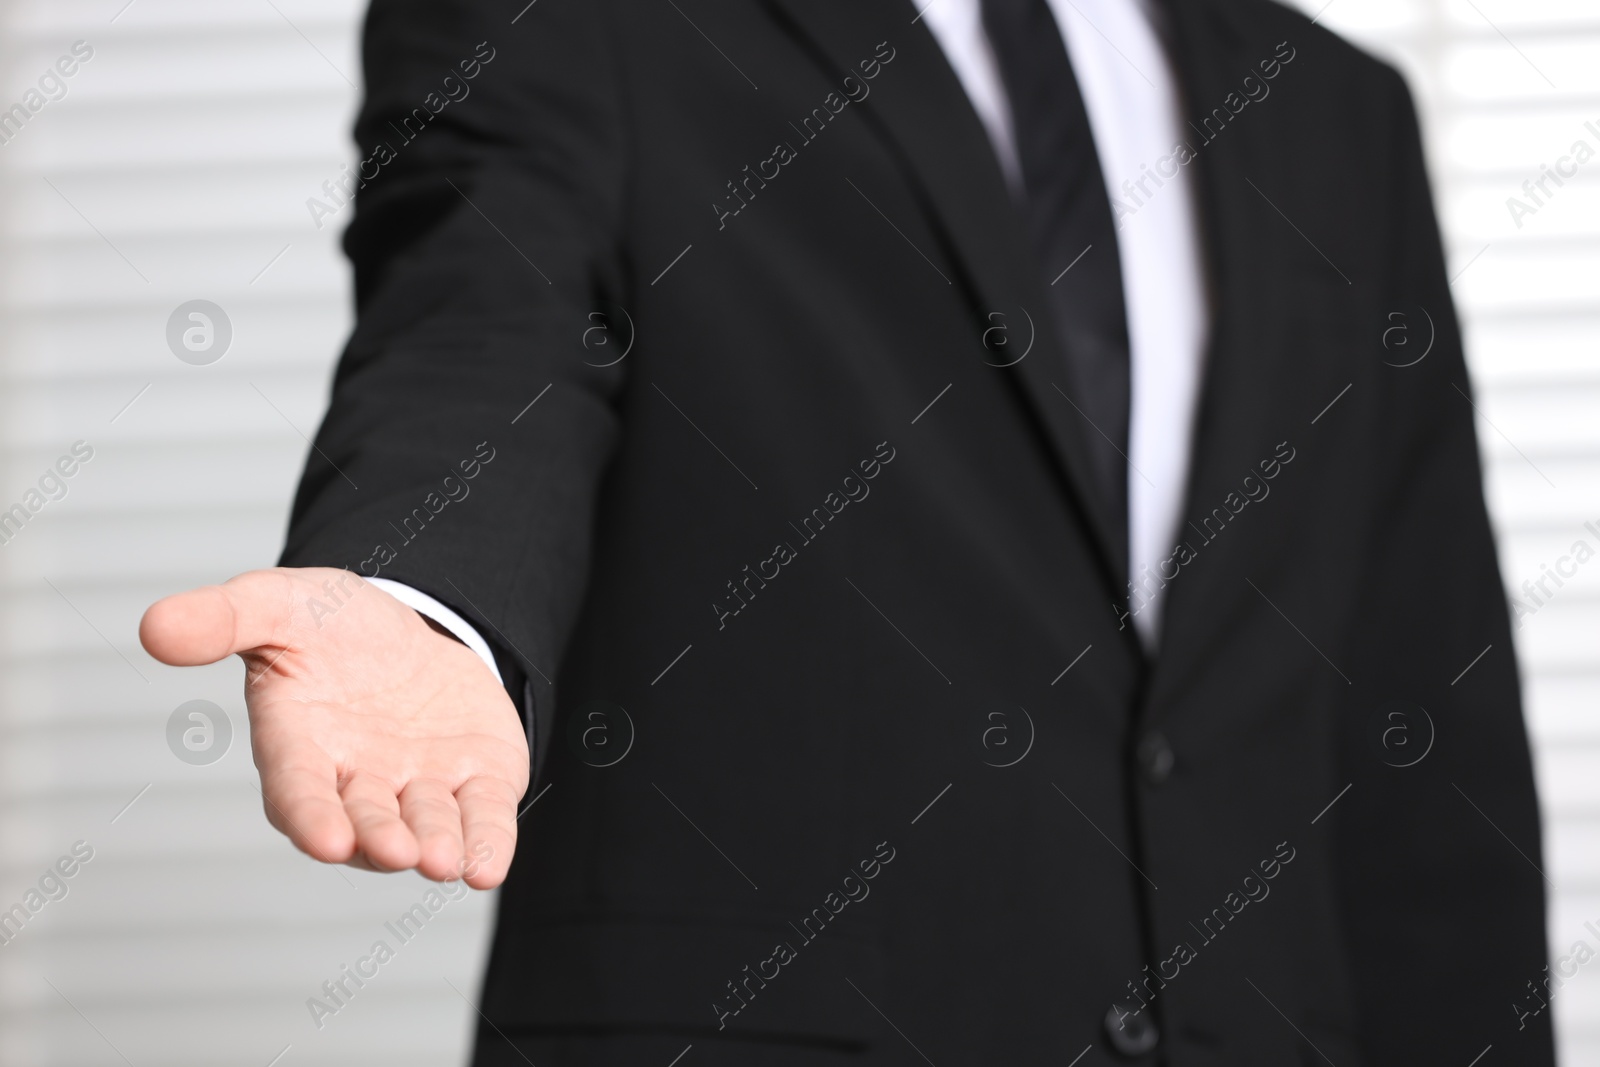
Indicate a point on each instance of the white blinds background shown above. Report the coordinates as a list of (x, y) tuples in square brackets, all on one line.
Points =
[(177, 167)]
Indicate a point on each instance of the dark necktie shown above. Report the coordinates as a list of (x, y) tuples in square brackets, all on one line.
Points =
[(1073, 234)]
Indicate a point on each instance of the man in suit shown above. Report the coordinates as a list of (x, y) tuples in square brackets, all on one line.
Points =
[(988, 590)]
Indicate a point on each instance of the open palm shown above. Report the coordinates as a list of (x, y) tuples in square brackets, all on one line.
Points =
[(381, 742)]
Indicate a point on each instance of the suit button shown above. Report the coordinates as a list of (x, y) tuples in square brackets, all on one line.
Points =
[(1131, 1031), (1155, 757)]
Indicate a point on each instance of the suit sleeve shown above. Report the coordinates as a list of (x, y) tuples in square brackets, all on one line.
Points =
[(469, 427), (1425, 845)]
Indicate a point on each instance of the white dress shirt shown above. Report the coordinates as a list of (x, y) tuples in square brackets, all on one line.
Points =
[(1131, 97)]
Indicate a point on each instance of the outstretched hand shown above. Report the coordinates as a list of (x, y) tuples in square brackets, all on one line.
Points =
[(382, 743)]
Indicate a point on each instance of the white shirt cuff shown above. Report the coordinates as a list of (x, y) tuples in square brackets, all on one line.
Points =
[(423, 604)]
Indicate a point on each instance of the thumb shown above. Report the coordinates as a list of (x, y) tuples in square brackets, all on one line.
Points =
[(215, 621)]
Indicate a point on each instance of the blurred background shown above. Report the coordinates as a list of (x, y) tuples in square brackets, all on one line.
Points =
[(175, 164)]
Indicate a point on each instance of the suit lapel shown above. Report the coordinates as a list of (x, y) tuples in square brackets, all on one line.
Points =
[(921, 109), (1241, 413)]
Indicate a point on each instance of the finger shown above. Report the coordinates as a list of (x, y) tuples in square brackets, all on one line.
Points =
[(299, 790), (215, 621), (381, 835), (430, 810), (489, 829)]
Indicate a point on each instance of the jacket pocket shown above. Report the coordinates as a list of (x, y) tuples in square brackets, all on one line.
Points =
[(751, 977)]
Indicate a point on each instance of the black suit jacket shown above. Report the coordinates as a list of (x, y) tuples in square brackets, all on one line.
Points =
[(843, 739)]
